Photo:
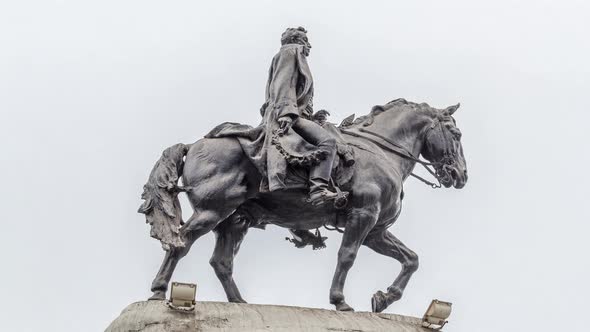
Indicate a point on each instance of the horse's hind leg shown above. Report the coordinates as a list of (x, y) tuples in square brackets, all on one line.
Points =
[(160, 283), (216, 173), (229, 235), (386, 244), (199, 224)]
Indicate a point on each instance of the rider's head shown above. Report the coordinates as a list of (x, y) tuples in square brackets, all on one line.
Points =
[(296, 36)]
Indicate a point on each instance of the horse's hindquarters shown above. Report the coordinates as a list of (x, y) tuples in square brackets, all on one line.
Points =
[(217, 171), (219, 178)]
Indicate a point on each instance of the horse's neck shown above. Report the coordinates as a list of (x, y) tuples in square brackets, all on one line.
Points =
[(405, 128)]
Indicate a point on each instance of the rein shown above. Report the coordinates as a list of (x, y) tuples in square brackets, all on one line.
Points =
[(400, 151)]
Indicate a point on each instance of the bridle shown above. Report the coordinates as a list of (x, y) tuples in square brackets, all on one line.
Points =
[(439, 166), (449, 155)]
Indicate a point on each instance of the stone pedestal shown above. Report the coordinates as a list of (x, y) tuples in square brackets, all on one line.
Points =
[(155, 316)]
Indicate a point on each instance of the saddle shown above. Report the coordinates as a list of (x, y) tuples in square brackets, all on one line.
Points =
[(298, 154)]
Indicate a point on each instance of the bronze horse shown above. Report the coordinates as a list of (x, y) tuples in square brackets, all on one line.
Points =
[(222, 187)]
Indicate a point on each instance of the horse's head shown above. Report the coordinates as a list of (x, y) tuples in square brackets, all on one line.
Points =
[(442, 147)]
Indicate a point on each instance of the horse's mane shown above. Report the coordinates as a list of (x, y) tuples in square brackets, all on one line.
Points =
[(396, 104)]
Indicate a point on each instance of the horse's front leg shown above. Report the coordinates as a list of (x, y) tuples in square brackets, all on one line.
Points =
[(358, 225), (386, 244)]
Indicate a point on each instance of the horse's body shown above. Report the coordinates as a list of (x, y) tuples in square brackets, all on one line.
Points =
[(224, 195)]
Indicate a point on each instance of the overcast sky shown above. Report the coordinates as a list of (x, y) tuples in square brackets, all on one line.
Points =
[(92, 92)]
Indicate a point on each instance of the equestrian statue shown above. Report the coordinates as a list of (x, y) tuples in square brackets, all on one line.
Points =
[(299, 171)]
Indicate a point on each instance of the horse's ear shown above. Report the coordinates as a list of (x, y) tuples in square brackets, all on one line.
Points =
[(377, 109), (452, 109), (347, 122)]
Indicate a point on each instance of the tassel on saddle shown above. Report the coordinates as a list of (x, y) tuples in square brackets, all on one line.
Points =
[(303, 238)]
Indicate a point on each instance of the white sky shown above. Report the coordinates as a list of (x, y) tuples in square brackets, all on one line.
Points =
[(92, 92)]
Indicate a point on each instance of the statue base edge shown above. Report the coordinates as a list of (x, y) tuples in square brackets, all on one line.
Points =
[(156, 316)]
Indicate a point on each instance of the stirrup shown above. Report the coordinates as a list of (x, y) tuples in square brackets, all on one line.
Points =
[(342, 199), (321, 197), (339, 197)]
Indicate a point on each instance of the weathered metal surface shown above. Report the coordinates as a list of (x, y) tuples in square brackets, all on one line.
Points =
[(239, 177)]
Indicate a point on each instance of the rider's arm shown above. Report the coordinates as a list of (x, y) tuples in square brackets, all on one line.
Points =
[(283, 89)]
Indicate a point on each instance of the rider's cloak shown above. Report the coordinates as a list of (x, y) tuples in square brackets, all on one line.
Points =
[(289, 92)]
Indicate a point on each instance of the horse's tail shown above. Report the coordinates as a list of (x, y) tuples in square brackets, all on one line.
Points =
[(162, 207)]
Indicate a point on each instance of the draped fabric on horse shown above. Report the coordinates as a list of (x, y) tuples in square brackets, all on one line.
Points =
[(289, 67)]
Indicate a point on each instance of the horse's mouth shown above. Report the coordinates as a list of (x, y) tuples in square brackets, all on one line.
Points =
[(452, 177), (458, 178)]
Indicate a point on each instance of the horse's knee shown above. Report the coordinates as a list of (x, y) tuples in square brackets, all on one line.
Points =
[(346, 257), (223, 268), (411, 264)]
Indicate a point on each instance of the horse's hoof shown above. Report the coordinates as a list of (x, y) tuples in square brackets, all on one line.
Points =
[(343, 306), (379, 302), (237, 301), (158, 296)]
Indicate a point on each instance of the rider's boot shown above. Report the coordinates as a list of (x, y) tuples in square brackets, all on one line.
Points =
[(319, 176), (319, 192)]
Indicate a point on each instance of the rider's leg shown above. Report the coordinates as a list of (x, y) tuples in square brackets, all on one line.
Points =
[(319, 175), (311, 131)]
